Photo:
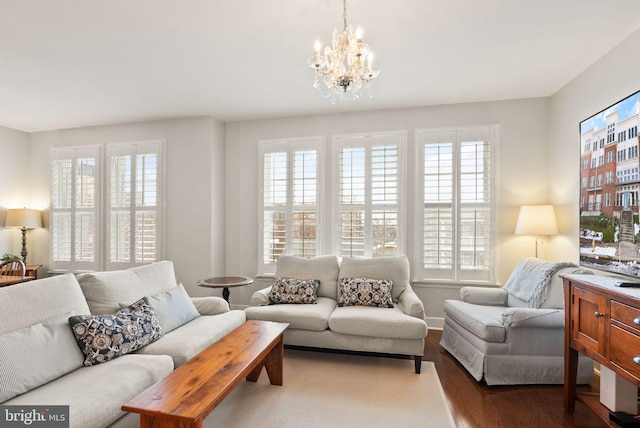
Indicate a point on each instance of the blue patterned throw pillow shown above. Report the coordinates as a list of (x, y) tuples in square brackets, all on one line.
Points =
[(105, 337), (289, 290), (365, 292)]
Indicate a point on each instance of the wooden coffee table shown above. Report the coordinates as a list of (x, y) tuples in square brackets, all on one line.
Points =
[(185, 397)]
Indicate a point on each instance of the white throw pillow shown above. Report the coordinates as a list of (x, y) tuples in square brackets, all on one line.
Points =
[(173, 308), (35, 355)]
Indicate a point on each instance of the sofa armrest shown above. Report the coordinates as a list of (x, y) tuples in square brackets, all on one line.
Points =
[(260, 297), (529, 317), (210, 305), (410, 303), (486, 296)]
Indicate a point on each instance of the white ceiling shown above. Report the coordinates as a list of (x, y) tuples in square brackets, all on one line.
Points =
[(71, 63)]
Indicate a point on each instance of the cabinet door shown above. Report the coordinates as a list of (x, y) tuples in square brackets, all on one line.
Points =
[(589, 320)]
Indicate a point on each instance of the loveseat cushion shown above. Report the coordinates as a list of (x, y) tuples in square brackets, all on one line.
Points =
[(95, 394), (303, 317), (35, 355), (191, 338), (376, 322), (483, 321), (323, 268), (105, 291), (393, 268)]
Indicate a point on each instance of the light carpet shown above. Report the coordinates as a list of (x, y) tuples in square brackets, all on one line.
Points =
[(336, 390)]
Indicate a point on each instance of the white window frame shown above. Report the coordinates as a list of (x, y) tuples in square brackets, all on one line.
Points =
[(455, 274), (290, 146), (102, 204), (368, 140)]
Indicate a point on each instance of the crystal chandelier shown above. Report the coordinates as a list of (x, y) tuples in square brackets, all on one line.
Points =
[(345, 68)]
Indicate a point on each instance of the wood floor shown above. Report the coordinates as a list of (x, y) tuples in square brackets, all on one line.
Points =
[(475, 404)]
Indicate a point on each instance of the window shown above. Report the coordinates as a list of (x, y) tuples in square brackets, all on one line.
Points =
[(456, 213), (75, 208), (370, 205), (131, 206), (133, 214), (290, 191)]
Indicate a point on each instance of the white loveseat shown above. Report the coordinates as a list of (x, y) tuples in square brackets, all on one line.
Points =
[(400, 329), (42, 364), (515, 334)]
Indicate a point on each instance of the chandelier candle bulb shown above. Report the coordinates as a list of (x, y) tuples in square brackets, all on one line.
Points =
[(370, 62)]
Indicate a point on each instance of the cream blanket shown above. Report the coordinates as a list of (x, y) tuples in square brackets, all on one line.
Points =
[(530, 280)]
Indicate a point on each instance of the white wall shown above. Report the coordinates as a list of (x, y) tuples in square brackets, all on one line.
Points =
[(609, 80), (522, 175), (14, 185), (194, 188)]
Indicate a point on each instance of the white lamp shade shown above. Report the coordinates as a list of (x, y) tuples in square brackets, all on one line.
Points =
[(23, 217), (537, 220)]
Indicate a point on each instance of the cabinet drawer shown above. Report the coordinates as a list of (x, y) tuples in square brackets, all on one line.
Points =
[(625, 314), (624, 347)]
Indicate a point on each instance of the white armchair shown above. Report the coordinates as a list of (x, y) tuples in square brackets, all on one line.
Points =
[(505, 339)]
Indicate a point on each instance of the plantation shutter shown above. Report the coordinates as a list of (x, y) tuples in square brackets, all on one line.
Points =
[(457, 214), (369, 179), (75, 205), (134, 207), (290, 194)]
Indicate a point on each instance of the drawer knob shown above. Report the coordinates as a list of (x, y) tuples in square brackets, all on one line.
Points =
[(598, 314), (636, 321), (636, 359)]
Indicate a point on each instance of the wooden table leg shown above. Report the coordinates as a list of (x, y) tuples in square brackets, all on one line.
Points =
[(274, 363), (155, 421), (570, 379)]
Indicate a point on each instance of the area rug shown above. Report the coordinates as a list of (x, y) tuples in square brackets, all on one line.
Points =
[(337, 390)]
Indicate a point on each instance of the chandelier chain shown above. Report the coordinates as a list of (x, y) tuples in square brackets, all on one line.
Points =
[(344, 13)]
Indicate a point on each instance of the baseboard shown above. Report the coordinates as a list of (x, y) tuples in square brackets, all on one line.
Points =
[(435, 323)]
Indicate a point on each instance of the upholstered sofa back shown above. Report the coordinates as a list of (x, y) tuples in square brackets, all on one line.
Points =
[(105, 291), (323, 268), (34, 302), (394, 268)]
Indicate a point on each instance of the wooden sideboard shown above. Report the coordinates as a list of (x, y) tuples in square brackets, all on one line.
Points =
[(602, 321)]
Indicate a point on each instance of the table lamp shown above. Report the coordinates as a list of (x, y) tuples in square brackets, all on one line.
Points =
[(536, 220), (23, 218)]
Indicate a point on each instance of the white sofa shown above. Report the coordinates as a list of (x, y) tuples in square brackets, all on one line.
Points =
[(513, 335), (42, 364), (397, 330)]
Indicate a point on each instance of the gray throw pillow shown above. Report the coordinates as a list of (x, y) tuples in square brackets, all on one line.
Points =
[(173, 308)]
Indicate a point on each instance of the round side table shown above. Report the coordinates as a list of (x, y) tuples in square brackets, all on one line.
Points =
[(225, 282)]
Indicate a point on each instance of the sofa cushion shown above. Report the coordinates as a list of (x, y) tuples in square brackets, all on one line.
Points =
[(186, 341), (95, 394), (483, 321), (173, 308), (393, 268), (104, 337), (105, 291), (304, 317), (323, 268), (35, 355), (38, 301), (300, 291), (376, 322), (365, 292)]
